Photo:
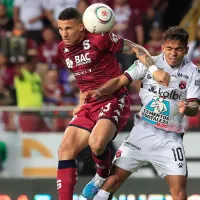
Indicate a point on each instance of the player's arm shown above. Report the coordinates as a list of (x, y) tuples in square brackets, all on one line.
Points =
[(143, 55), (189, 108), (135, 72), (81, 102), (108, 88)]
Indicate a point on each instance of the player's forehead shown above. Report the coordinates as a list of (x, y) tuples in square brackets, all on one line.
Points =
[(174, 44), (67, 23)]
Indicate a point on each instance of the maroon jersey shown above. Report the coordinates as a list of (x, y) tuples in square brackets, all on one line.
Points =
[(93, 61)]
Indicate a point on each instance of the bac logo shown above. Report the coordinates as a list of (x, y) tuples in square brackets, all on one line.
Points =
[(28, 146)]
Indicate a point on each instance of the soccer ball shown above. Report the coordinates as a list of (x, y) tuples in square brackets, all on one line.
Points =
[(98, 18)]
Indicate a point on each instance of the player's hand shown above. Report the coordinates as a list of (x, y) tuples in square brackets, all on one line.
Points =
[(76, 109), (161, 77), (91, 94), (182, 106)]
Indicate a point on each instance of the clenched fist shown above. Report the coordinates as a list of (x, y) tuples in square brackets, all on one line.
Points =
[(161, 77)]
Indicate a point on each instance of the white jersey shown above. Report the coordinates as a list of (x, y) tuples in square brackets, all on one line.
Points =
[(160, 103)]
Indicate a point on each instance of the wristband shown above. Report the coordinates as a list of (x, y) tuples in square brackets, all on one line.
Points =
[(152, 69)]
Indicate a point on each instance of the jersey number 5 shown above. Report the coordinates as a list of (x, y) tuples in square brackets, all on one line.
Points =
[(86, 44)]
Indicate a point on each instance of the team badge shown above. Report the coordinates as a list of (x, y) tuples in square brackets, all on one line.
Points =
[(182, 85)]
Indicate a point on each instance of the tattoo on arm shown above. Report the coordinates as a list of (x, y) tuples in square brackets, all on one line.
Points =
[(149, 61), (141, 53), (127, 48)]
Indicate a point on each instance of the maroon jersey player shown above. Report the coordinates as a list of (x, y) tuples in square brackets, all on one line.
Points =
[(91, 58)]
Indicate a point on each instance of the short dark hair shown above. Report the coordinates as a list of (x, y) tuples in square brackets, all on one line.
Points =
[(176, 33), (70, 13)]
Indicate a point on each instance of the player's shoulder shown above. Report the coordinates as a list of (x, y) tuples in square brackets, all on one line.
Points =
[(189, 67), (159, 58), (99, 38), (61, 46)]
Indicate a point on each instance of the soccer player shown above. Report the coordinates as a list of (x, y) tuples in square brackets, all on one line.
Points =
[(91, 58), (158, 131)]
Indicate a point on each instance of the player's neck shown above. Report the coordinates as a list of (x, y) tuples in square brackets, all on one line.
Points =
[(80, 39), (177, 66)]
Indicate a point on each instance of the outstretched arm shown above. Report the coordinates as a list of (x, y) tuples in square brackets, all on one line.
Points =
[(143, 55), (108, 88)]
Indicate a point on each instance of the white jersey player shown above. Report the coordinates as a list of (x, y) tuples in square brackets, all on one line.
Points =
[(160, 103), (158, 131)]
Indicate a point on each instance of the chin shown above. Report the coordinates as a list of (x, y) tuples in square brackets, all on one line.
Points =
[(174, 64), (68, 44)]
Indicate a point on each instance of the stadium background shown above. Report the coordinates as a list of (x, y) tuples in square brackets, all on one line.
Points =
[(32, 121)]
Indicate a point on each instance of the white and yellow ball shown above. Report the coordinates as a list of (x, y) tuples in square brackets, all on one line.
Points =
[(98, 18)]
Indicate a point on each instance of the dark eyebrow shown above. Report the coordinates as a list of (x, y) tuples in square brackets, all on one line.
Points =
[(67, 27), (174, 48)]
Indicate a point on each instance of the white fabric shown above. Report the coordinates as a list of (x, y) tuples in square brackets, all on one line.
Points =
[(160, 103), (152, 69), (164, 150), (191, 46), (101, 195), (30, 9), (98, 180), (58, 5)]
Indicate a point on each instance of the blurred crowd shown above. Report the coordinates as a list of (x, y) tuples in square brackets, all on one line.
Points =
[(33, 74)]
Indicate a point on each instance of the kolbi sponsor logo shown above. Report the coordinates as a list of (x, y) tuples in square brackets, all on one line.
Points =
[(170, 94)]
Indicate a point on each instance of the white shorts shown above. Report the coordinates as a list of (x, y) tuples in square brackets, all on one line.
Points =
[(164, 150)]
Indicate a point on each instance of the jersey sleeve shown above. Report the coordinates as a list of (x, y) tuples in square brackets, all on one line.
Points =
[(109, 42), (136, 71), (193, 91)]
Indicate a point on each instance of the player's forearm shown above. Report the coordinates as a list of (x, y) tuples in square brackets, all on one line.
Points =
[(110, 87), (141, 53)]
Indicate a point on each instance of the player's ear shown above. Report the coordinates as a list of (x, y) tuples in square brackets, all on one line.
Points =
[(82, 28), (163, 47), (187, 49)]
